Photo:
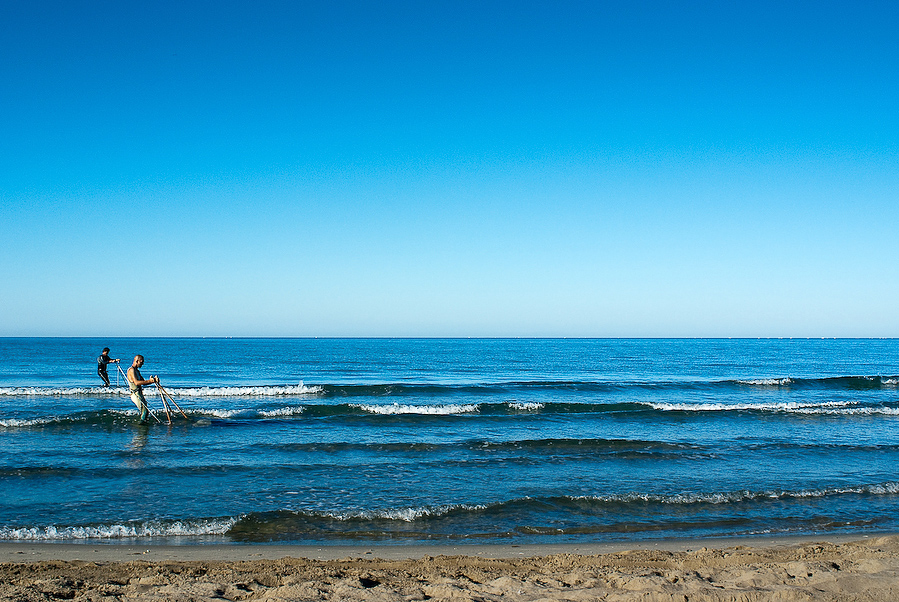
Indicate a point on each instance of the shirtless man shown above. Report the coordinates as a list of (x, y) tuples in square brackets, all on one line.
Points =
[(136, 382)]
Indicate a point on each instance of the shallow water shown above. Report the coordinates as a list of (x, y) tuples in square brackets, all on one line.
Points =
[(411, 440)]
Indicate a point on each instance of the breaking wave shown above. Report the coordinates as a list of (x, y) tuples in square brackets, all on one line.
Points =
[(234, 391), (396, 408), (427, 522), (127, 530)]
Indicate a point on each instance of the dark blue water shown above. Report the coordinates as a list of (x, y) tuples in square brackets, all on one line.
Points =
[(411, 440)]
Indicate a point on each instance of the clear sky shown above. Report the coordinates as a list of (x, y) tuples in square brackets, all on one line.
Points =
[(431, 168)]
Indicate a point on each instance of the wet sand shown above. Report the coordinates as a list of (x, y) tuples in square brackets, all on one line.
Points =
[(810, 568)]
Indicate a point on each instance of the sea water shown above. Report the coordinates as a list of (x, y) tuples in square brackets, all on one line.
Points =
[(397, 441)]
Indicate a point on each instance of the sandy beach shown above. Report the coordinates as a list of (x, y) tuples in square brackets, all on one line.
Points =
[(826, 568)]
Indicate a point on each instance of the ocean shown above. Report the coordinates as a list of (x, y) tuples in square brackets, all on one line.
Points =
[(408, 441)]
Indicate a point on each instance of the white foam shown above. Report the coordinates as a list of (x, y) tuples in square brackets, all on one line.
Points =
[(401, 514), (288, 411), (250, 391), (884, 489), (768, 382), (679, 498), (786, 406), (889, 488), (878, 489), (258, 391), (62, 391), (413, 409), (852, 411), (218, 413), (119, 531), (14, 423), (529, 406)]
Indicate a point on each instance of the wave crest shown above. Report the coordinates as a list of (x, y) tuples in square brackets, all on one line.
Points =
[(175, 528), (229, 391), (439, 410), (794, 407)]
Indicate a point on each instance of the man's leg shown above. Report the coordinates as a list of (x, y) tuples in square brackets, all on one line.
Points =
[(138, 398)]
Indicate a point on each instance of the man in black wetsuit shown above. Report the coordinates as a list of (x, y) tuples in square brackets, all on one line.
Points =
[(101, 365)]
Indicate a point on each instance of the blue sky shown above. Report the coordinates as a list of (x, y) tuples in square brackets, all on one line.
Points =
[(449, 169)]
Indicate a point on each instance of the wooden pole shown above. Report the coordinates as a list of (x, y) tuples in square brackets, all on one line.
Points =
[(165, 406), (172, 399), (123, 375)]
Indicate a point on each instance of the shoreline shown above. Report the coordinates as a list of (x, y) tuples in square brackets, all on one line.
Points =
[(827, 568), (103, 551)]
